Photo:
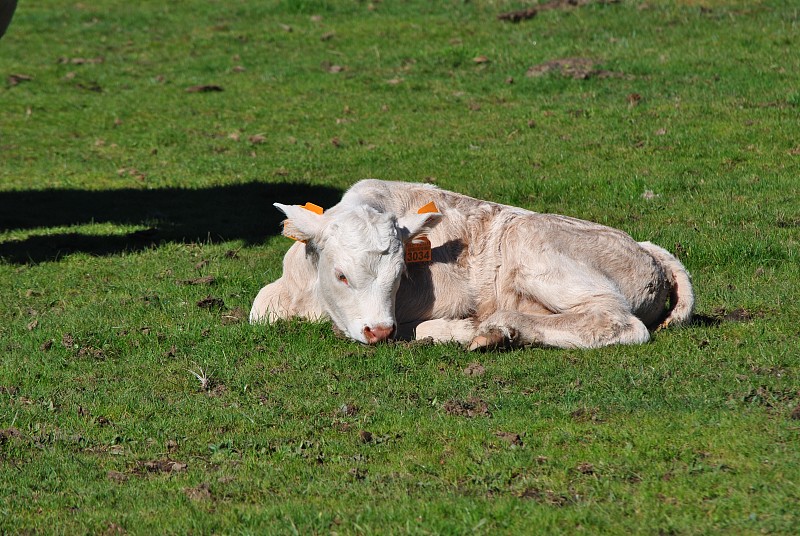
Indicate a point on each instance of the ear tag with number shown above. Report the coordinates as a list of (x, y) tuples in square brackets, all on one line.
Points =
[(419, 250)]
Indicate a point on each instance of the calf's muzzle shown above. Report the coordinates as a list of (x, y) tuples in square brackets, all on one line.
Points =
[(378, 333)]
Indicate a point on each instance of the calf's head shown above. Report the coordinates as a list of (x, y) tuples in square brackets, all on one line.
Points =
[(359, 256)]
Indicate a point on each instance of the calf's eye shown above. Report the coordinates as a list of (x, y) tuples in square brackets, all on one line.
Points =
[(341, 277)]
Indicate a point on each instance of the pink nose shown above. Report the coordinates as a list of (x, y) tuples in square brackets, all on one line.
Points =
[(379, 333)]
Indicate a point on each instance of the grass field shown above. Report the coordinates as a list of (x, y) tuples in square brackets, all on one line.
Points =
[(141, 147)]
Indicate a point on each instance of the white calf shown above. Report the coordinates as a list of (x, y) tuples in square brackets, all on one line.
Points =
[(491, 276)]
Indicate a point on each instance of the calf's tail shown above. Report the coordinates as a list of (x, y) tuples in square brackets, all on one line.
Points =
[(681, 294)]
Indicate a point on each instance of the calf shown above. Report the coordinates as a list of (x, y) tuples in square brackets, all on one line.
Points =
[(471, 271)]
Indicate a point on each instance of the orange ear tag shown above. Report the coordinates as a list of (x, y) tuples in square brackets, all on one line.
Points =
[(419, 250), (316, 209), (430, 207), (287, 225)]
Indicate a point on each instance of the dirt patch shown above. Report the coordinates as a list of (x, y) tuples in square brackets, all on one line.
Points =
[(358, 473), (721, 314), (575, 68), (740, 314), (332, 68), (585, 468), (586, 415), (210, 88), (789, 222), (9, 433), (471, 407), (160, 466), (234, 316), (215, 389), (510, 438), (201, 492), (90, 351), (771, 398), (116, 476), (16, 79), (529, 13), (91, 86), (205, 280), (68, 341), (81, 61), (474, 369), (348, 410), (795, 414), (211, 302), (520, 15), (113, 528)]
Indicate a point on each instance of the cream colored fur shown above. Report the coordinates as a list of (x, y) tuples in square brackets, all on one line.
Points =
[(500, 276)]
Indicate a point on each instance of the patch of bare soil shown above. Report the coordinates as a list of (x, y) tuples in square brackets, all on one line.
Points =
[(201, 492), (90, 351), (81, 61), (116, 476), (586, 415), (234, 316), (585, 468), (575, 68), (209, 88), (471, 407), (205, 280), (9, 433), (160, 466), (211, 302), (348, 410), (112, 529), (510, 438), (771, 398), (721, 314), (69, 342), (16, 79), (357, 473), (474, 369), (529, 13), (740, 314)]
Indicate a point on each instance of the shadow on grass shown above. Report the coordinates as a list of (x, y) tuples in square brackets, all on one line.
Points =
[(220, 213)]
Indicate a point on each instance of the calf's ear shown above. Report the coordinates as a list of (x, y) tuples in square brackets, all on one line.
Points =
[(414, 225), (302, 224)]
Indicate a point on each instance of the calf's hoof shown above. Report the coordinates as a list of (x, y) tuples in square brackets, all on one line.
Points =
[(494, 339)]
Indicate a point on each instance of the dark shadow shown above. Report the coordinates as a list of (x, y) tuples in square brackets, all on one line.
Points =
[(721, 315), (415, 297), (7, 8), (233, 212)]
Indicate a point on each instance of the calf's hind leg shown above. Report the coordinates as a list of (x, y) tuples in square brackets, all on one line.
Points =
[(591, 328)]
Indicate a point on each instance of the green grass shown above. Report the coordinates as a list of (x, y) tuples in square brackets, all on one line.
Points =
[(116, 185)]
